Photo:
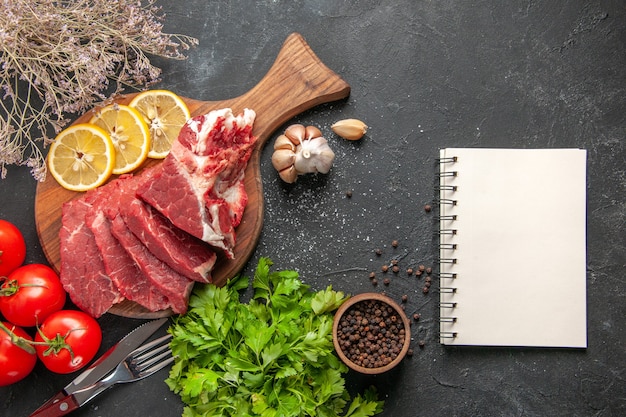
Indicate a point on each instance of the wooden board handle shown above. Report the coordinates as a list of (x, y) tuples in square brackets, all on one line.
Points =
[(297, 81)]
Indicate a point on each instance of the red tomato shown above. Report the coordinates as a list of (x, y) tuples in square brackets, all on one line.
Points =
[(12, 248), (15, 362), (74, 339), (30, 294)]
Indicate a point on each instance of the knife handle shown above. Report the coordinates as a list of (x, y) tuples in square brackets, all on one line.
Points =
[(57, 408)]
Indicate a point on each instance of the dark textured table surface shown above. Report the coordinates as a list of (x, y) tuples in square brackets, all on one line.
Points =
[(424, 75)]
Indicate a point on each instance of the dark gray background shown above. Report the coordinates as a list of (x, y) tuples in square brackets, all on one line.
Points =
[(424, 75)]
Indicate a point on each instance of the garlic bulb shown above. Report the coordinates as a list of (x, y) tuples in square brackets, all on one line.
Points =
[(301, 150)]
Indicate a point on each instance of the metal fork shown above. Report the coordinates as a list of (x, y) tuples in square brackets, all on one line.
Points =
[(140, 363)]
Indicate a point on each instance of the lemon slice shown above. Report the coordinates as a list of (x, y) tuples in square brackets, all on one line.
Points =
[(165, 113), (82, 157), (129, 133)]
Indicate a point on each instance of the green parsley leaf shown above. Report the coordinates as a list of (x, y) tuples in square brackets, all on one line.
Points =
[(270, 357)]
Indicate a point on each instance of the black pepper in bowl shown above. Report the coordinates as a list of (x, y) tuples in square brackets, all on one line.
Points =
[(372, 334)]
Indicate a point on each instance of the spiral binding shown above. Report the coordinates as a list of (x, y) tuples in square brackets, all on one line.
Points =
[(446, 249)]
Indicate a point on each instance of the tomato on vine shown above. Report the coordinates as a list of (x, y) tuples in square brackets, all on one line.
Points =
[(67, 340), (12, 247), (16, 362), (30, 294)]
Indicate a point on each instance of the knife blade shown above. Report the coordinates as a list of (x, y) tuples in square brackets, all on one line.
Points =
[(105, 364)]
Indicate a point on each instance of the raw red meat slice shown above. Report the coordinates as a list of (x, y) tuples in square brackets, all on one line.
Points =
[(130, 281), (199, 186), (82, 270), (184, 253), (173, 285)]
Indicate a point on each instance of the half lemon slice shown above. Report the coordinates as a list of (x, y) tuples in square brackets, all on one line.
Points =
[(82, 157), (129, 134), (165, 114)]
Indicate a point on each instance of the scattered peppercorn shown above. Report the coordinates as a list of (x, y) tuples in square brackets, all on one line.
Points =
[(349, 194), (427, 208), (409, 271), (372, 275), (405, 298), (425, 290), (429, 270), (379, 252), (386, 281), (418, 273), (394, 262), (394, 243), (421, 268), (416, 316), (385, 268), (374, 282), (409, 352), (422, 343), (427, 284), (428, 279), (395, 269)]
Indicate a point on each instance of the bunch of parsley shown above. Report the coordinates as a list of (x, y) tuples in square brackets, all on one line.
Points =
[(270, 357)]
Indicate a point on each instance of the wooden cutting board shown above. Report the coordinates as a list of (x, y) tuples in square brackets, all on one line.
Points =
[(297, 81)]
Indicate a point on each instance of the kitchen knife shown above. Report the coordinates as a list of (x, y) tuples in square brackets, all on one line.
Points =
[(105, 364)]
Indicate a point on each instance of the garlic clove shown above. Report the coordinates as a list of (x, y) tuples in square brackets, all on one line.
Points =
[(283, 142), (296, 133), (351, 129), (289, 175), (283, 158), (311, 132)]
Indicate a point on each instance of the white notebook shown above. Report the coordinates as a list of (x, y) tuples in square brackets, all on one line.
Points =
[(513, 247)]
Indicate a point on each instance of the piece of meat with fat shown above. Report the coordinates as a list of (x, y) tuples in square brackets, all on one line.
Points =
[(184, 253), (173, 285), (199, 186), (82, 270), (120, 267)]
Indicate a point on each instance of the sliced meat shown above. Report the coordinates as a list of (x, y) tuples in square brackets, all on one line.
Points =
[(120, 267), (173, 285), (199, 186), (82, 270), (184, 253)]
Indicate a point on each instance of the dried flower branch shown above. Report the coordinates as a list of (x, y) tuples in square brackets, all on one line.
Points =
[(62, 57)]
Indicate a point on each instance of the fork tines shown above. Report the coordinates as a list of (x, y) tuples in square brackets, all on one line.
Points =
[(151, 357)]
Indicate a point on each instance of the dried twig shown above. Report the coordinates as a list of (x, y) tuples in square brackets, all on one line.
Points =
[(61, 57)]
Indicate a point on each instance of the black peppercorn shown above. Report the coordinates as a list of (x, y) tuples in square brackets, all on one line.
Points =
[(427, 208), (386, 281), (385, 268), (394, 243)]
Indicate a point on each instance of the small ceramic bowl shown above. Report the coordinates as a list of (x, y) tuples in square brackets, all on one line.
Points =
[(363, 329)]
